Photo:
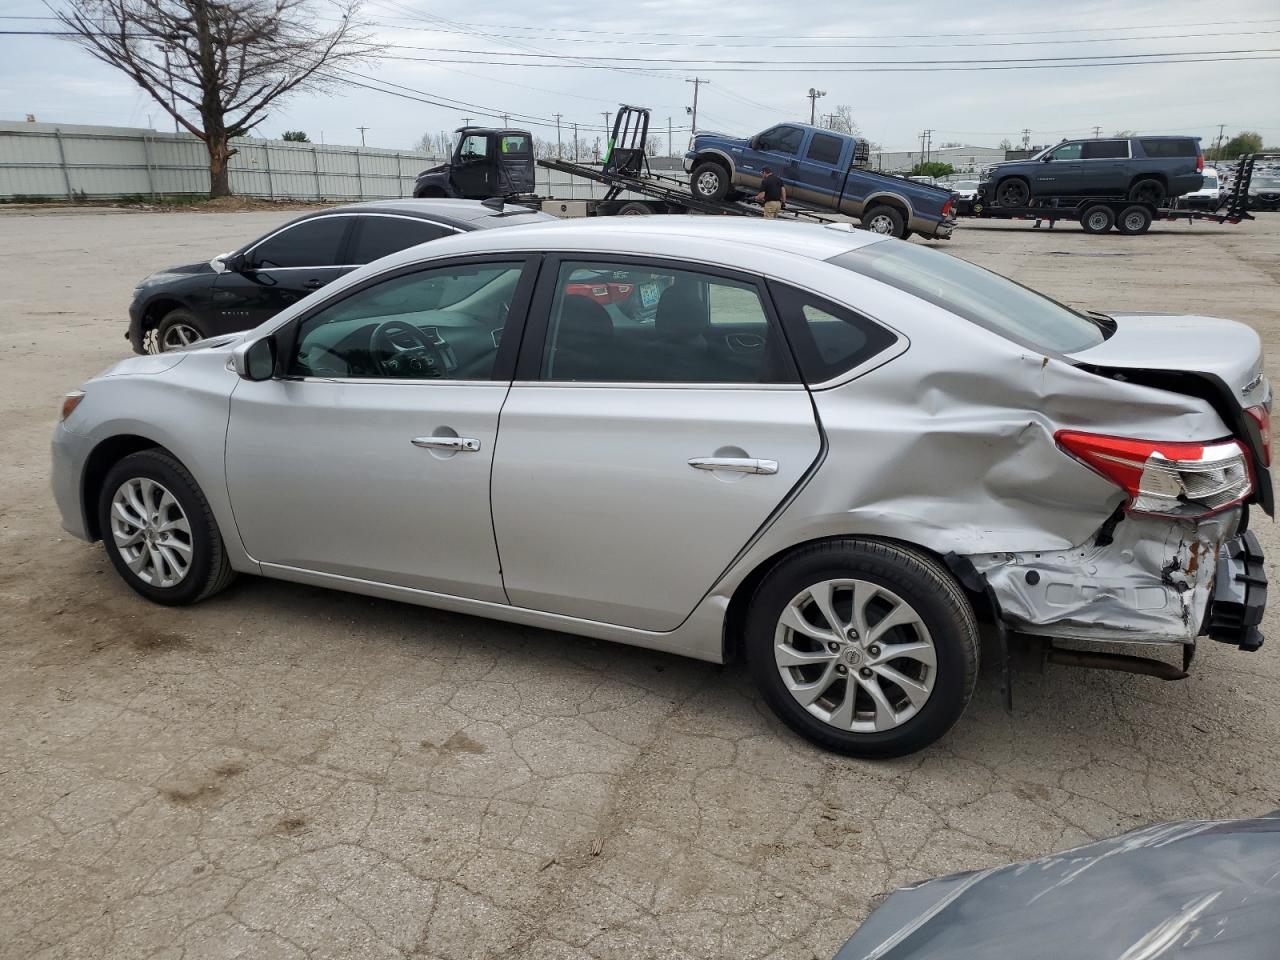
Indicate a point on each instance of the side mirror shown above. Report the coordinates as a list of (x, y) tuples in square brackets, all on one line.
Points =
[(228, 263), (754, 142), (255, 359), (1046, 158)]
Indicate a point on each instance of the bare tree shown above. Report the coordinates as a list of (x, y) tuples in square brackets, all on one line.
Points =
[(217, 65), (842, 121), (437, 144)]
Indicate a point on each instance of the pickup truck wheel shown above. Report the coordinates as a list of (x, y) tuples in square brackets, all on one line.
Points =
[(1148, 191), (710, 181), (1013, 193), (886, 220), (1133, 220), (1097, 219)]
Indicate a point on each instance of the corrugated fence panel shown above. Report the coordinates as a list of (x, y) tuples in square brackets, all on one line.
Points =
[(60, 161)]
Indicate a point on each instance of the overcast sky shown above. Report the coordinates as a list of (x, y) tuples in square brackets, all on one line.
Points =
[(668, 41)]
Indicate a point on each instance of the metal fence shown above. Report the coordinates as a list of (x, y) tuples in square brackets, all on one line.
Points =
[(47, 161)]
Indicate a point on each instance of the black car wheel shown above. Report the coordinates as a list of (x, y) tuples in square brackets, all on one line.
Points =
[(865, 647), (1133, 220), (176, 329), (1148, 191), (1013, 193), (159, 530), (1097, 219), (710, 181)]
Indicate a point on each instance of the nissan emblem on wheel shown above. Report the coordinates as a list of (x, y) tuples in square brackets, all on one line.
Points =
[(833, 454)]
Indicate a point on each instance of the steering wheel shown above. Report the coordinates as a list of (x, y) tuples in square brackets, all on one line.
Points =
[(400, 349)]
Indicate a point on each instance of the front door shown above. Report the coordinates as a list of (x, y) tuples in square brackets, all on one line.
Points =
[(640, 452), (1060, 175), (474, 167), (369, 456), (777, 148)]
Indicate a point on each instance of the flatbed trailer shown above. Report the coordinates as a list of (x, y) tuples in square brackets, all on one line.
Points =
[(1101, 214)]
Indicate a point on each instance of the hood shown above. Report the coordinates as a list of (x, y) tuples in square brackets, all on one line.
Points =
[(186, 269), (1219, 361), (438, 168)]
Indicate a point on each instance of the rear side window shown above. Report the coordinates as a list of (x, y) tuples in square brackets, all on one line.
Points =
[(979, 296), (379, 236), (1170, 148), (823, 149), (828, 339), (312, 243), (1106, 150)]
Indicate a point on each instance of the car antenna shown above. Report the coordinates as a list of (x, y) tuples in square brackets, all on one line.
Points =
[(493, 203)]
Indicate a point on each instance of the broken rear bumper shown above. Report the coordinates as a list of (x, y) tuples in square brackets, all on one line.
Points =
[(1239, 593), (1143, 580)]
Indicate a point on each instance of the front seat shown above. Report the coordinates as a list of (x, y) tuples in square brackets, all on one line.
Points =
[(584, 341)]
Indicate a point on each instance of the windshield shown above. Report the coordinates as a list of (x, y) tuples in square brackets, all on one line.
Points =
[(1266, 183), (977, 295)]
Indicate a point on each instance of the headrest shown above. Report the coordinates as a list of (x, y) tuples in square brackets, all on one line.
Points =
[(581, 317), (681, 313)]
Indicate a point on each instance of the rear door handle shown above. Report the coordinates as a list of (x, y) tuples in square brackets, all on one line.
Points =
[(736, 465), (460, 444)]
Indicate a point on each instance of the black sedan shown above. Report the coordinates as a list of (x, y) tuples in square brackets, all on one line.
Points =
[(1264, 191), (239, 290)]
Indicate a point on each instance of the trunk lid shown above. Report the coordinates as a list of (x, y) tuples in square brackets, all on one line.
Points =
[(1218, 360)]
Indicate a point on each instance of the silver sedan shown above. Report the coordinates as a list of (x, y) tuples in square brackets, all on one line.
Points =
[(826, 451)]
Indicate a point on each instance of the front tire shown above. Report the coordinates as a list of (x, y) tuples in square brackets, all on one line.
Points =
[(1013, 193), (864, 647), (176, 329), (159, 530), (709, 181)]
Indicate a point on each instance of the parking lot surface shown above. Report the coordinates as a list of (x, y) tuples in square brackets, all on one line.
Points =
[(288, 772)]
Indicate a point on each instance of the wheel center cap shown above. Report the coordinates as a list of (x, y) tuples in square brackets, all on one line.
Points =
[(853, 656)]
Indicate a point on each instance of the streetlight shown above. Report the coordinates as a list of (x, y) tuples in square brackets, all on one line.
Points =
[(813, 103)]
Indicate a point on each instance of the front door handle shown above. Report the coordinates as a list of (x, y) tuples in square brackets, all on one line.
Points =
[(736, 465), (460, 444)]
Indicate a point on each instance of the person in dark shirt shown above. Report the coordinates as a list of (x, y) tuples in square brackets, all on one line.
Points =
[(772, 192)]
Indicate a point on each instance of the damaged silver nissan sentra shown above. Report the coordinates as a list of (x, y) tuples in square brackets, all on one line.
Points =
[(826, 450)]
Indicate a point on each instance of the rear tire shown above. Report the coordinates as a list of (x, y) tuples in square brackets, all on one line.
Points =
[(1148, 191), (1097, 219), (796, 652), (1133, 220), (886, 220), (176, 329), (159, 530), (1013, 193), (709, 181), (633, 209)]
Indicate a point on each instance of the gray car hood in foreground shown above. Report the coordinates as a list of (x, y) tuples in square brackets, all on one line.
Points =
[(1198, 889)]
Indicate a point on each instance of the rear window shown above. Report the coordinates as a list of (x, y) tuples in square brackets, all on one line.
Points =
[(823, 149), (1170, 148), (515, 143), (381, 236), (979, 296)]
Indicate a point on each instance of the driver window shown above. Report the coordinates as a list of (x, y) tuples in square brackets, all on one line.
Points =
[(781, 139), (474, 147), (442, 324), (1068, 151)]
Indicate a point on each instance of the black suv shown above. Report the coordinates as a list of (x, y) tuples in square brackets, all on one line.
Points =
[(1147, 169), (239, 290)]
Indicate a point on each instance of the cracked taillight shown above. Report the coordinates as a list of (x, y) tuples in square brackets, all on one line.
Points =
[(1166, 479)]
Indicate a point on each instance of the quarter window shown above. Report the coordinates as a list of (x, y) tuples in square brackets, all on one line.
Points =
[(1170, 148), (828, 339), (379, 236), (312, 243), (645, 324), (445, 323), (824, 149)]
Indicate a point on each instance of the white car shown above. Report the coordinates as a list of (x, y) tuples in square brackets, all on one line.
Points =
[(1211, 195)]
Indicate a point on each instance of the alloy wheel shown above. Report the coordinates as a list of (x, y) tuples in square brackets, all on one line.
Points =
[(708, 183), (855, 655), (881, 223), (179, 335), (151, 531)]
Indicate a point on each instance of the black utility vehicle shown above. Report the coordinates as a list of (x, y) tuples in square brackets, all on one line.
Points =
[(239, 290), (1146, 169), (487, 162)]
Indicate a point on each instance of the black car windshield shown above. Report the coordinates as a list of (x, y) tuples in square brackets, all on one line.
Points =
[(979, 296)]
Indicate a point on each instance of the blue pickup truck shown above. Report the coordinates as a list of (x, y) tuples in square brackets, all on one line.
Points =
[(820, 169)]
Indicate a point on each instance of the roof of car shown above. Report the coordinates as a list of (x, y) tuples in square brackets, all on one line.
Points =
[(671, 235), (468, 214)]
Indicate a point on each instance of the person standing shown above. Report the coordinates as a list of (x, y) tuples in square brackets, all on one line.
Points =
[(773, 192)]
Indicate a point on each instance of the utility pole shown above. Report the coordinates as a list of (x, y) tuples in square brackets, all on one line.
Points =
[(466, 121), (1026, 138), (1217, 147), (504, 119), (813, 104), (362, 130), (928, 146), (608, 122), (557, 116), (670, 143), (696, 84), (1097, 132), (575, 143)]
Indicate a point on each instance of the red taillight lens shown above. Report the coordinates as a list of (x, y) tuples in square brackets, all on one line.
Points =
[(946, 207), (1199, 162), (1167, 479), (1262, 416)]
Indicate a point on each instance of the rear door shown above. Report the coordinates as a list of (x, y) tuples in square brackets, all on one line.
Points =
[(1104, 166), (281, 269), (821, 169), (378, 235), (637, 457)]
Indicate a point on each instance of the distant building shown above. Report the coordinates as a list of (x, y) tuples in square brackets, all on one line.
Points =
[(965, 159)]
